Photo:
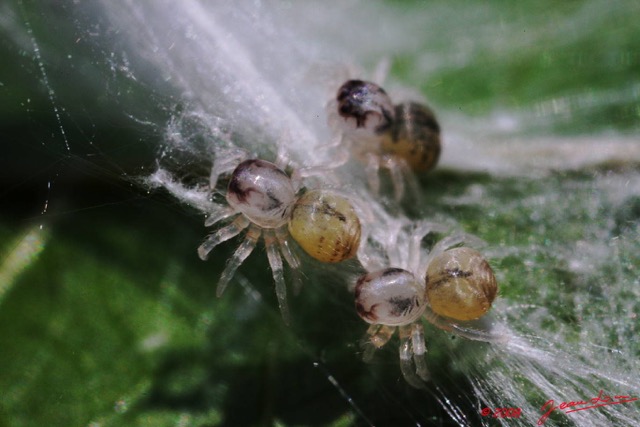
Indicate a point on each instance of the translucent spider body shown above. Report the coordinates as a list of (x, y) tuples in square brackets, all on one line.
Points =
[(263, 200), (365, 108), (390, 298), (404, 138), (262, 192), (460, 285)]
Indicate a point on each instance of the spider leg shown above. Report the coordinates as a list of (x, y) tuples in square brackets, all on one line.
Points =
[(406, 358), (226, 161), (414, 247), (290, 258), (451, 241), (372, 169), (223, 234), (238, 257), (472, 333), (394, 251), (275, 261), (419, 349), (376, 336), (339, 147), (282, 158), (414, 187), (422, 229), (369, 260), (396, 176), (409, 177), (217, 215), (326, 172), (381, 71), (333, 118), (337, 141)]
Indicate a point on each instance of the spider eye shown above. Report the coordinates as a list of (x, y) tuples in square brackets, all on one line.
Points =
[(460, 284), (392, 296), (349, 88), (345, 109), (326, 226), (262, 192)]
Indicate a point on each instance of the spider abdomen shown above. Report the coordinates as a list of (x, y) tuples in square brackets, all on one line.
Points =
[(415, 137), (460, 284), (326, 226)]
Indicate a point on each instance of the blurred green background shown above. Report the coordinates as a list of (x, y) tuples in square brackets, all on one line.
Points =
[(111, 319)]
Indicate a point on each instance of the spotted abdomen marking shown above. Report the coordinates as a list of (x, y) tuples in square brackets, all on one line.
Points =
[(365, 108), (460, 284), (326, 226), (390, 297), (262, 192), (414, 137)]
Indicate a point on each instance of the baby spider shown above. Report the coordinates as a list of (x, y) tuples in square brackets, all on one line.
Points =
[(263, 199), (459, 285), (401, 138)]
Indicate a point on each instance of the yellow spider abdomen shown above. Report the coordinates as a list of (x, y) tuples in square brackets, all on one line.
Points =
[(414, 137), (326, 226), (460, 284)]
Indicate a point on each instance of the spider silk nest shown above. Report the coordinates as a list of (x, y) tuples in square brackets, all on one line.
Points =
[(555, 371)]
